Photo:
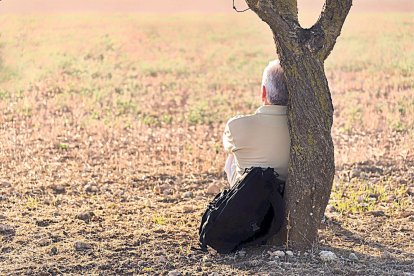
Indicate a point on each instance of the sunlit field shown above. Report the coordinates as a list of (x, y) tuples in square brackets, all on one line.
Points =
[(110, 143)]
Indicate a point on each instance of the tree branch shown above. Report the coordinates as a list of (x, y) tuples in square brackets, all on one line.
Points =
[(280, 15), (328, 27)]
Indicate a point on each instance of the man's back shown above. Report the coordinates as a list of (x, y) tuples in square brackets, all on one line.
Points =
[(259, 140)]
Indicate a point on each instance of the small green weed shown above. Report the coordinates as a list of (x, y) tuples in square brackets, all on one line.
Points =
[(150, 120), (159, 220), (31, 203), (62, 146), (360, 196), (200, 114)]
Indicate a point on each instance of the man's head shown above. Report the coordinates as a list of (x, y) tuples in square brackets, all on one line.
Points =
[(274, 91)]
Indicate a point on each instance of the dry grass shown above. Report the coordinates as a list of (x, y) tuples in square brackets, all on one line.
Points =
[(110, 132)]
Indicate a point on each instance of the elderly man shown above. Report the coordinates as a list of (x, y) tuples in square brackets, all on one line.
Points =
[(261, 139)]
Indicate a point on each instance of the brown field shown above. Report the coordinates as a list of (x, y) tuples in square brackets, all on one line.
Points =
[(110, 134)]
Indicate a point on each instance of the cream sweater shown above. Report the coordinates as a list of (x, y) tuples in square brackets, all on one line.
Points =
[(258, 140)]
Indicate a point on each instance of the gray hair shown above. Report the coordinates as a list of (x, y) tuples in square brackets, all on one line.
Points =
[(274, 81)]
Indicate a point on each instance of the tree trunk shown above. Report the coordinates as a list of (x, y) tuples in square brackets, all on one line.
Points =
[(302, 53), (311, 166)]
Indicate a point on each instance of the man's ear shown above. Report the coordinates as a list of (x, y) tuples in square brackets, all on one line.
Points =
[(263, 93)]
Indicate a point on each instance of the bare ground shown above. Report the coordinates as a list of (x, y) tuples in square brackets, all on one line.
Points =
[(87, 209)]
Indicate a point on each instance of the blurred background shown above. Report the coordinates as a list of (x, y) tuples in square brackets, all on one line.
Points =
[(171, 6)]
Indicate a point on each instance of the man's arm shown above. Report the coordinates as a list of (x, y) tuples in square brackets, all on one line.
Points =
[(229, 146), (228, 141), (229, 167)]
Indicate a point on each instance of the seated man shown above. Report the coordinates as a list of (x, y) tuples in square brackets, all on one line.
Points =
[(261, 139)]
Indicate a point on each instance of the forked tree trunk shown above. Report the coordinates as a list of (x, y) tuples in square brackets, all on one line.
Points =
[(302, 53)]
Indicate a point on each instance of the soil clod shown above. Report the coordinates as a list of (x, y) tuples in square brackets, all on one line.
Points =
[(54, 250), (82, 246), (378, 213), (188, 195), (353, 257), (44, 222), (174, 273), (328, 256), (6, 230), (59, 189), (86, 216), (44, 242), (91, 189), (213, 189)]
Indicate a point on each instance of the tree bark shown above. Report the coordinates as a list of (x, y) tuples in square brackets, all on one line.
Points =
[(302, 53)]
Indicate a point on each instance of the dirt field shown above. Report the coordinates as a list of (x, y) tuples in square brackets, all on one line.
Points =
[(110, 134)]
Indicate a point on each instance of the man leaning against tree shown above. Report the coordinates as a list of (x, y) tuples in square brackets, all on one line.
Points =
[(261, 139)]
